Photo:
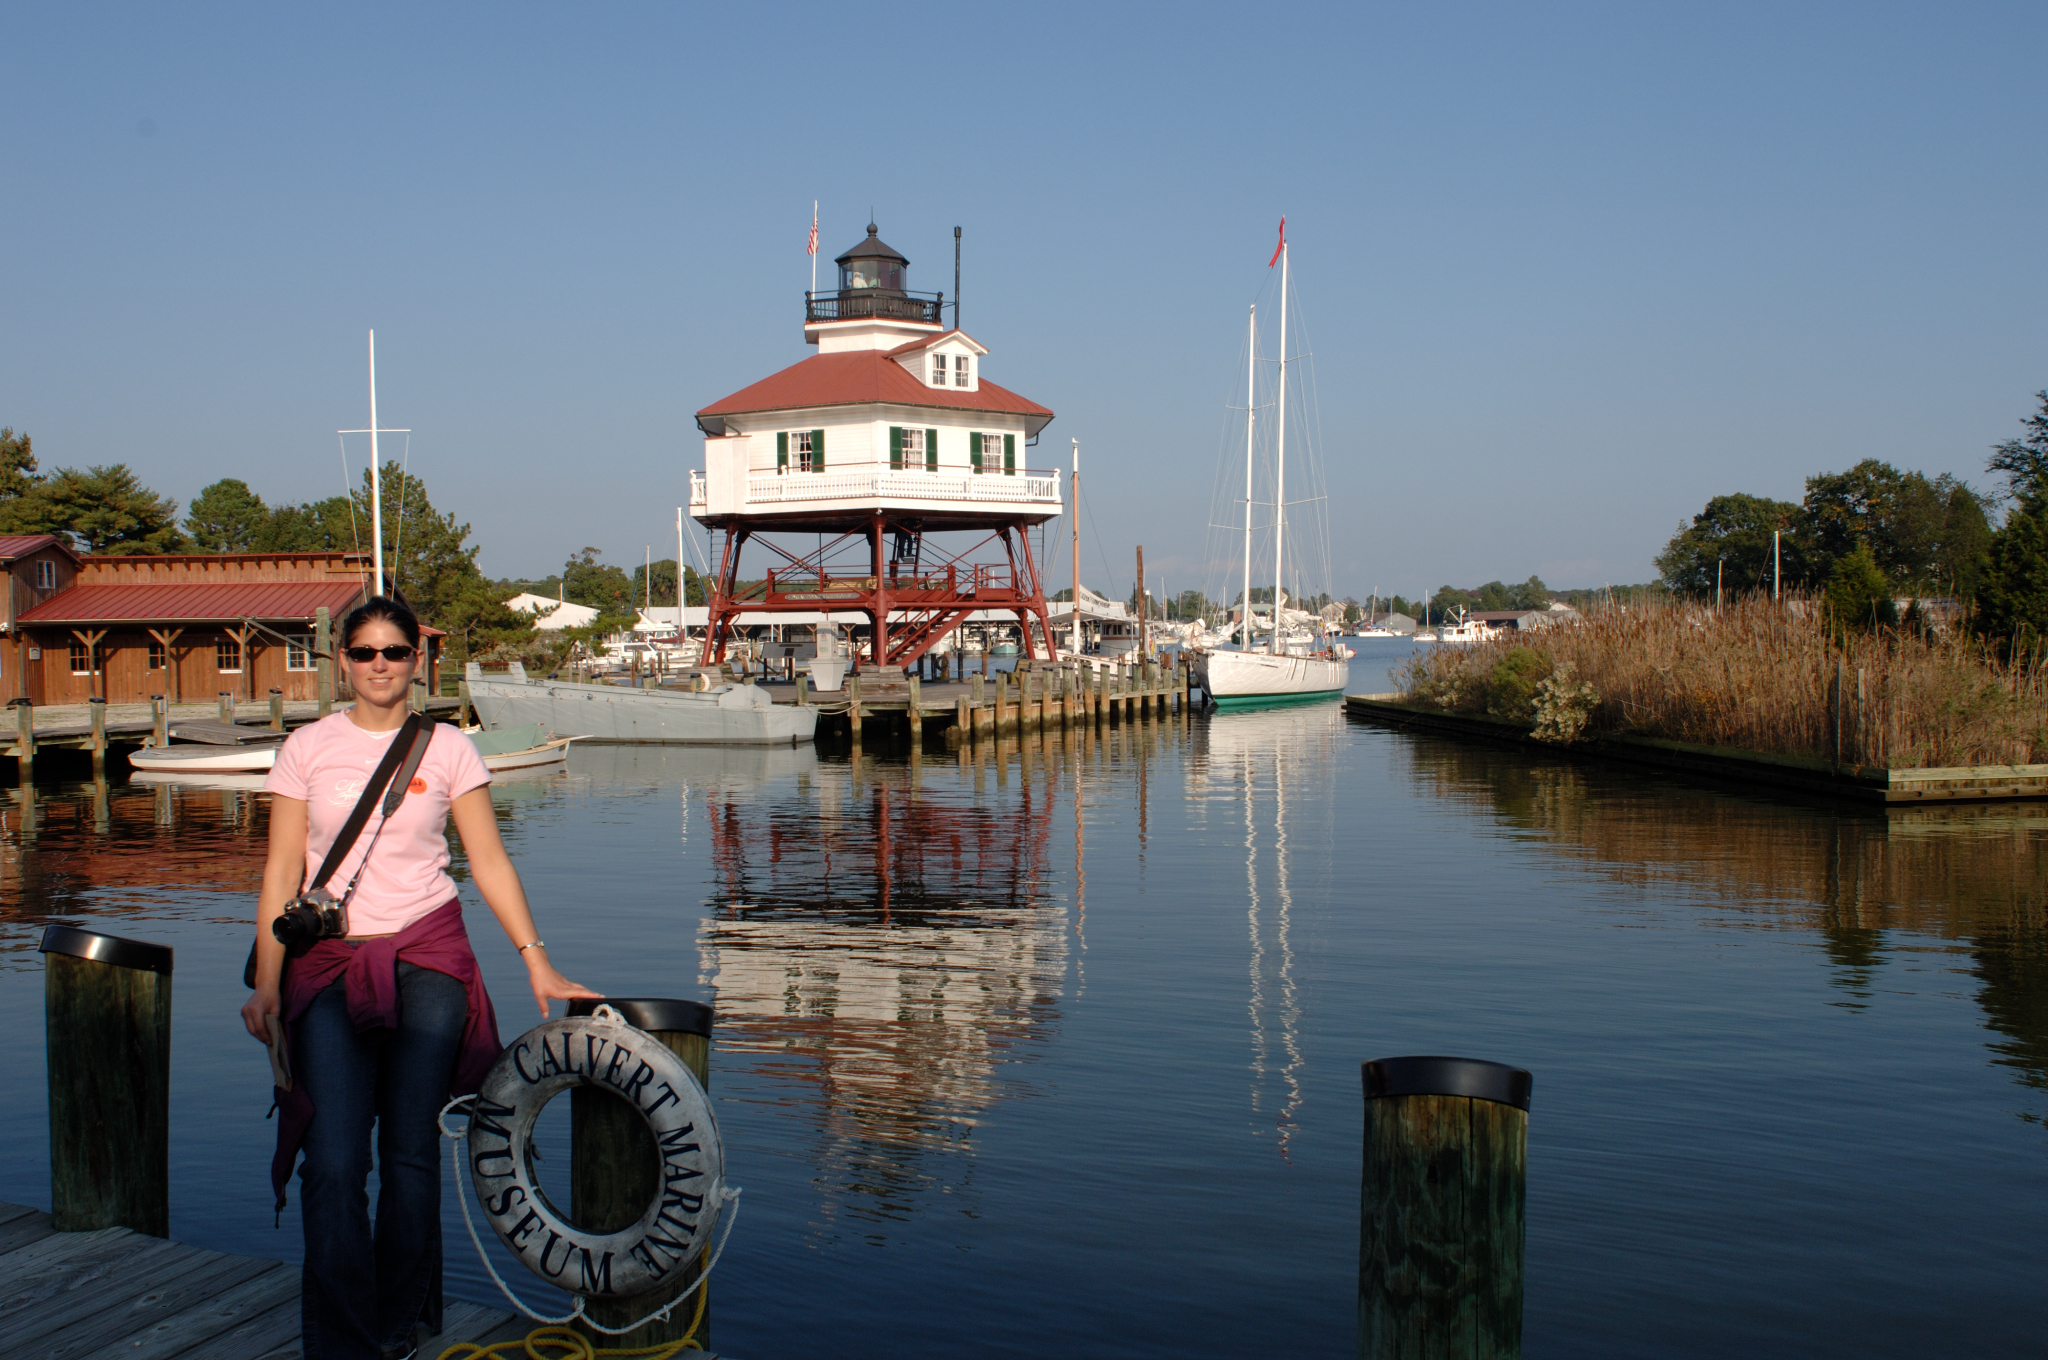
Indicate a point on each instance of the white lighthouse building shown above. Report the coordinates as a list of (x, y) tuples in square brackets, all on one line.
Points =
[(891, 432)]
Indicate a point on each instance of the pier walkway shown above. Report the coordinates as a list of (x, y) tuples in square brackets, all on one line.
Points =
[(81, 1296)]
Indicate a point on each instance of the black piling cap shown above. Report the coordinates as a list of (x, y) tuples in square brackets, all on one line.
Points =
[(1474, 1077), (653, 1013), (122, 953)]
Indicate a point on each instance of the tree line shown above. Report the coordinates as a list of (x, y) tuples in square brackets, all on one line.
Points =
[(1867, 536)]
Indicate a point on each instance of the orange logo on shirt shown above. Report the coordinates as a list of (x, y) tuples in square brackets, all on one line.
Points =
[(418, 785)]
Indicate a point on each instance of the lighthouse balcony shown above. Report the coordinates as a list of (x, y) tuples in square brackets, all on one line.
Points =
[(874, 304), (860, 490)]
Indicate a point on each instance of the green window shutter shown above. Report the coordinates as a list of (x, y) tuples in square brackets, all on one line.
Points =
[(1009, 455), (896, 448), (931, 450), (817, 450), (974, 450), (782, 452)]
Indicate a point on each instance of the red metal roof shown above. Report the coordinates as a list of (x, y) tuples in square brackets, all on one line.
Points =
[(196, 603), (861, 377), (21, 545)]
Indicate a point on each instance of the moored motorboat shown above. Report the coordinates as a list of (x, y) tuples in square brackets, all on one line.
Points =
[(742, 715), (204, 758), (518, 748)]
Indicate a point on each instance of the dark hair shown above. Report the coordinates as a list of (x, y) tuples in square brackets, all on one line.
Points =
[(378, 607)]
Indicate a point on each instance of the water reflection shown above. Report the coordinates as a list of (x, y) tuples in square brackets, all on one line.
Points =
[(1962, 884), (1251, 768)]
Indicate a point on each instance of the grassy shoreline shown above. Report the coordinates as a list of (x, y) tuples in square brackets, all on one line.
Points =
[(1756, 676)]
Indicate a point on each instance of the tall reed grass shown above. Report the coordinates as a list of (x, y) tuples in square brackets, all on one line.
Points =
[(1762, 676)]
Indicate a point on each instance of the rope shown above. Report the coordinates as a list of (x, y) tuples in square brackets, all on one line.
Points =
[(555, 1332)]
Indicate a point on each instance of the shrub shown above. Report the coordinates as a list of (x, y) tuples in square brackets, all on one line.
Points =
[(1511, 687), (1564, 705)]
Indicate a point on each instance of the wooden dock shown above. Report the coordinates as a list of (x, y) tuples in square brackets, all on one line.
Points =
[(81, 1296), (98, 728)]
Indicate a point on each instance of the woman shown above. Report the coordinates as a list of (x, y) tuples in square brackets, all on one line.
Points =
[(385, 1024)]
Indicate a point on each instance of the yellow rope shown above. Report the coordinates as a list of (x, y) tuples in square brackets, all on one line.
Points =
[(565, 1343)]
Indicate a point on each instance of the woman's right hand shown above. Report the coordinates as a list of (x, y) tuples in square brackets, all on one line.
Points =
[(257, 1010)]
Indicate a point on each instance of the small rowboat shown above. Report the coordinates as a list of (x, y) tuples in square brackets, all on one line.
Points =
[(518, 748), (202, 758)]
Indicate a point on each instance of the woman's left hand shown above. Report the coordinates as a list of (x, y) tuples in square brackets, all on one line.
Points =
[(549, 985)]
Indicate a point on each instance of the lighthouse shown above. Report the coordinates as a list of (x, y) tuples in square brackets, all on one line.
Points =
[(885, 474)]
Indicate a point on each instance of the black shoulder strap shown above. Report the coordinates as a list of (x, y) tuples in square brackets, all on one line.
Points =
[(405, 747)]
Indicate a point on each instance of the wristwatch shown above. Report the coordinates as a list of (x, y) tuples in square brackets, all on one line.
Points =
[(537, 944)]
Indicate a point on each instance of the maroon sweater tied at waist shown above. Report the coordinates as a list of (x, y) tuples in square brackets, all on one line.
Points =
[(370, 969)]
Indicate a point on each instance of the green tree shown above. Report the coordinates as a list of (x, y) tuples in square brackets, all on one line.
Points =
[(1924, 534), (665, 583), (315, 526), (17, 465), (105, 509), (226, 517), (604, 588), (1732, 536), (1857, 592), (2012, 603)]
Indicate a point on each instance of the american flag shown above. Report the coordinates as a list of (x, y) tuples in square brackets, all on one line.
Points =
[(814, 232)]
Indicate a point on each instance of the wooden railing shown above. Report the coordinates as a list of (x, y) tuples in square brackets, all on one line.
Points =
[(1024, 487)]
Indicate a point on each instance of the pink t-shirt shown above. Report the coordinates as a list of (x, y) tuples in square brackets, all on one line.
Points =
[(326, 764)]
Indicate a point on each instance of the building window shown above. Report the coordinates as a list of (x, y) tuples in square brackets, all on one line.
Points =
[(81, 658), (802, 450), (938, 370), (298, 653), (156, 655), (227, 656), (46, 575), (913, 449), (959, 370)]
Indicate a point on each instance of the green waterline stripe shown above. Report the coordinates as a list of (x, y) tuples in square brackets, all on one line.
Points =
[(1238, 701)]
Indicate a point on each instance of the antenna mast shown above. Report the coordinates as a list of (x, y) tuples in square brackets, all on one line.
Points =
[(1280, 458), (376, 476), (1076, 535), (1251, 382)]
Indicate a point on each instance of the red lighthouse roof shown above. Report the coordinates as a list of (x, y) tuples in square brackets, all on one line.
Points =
[(866, 376)]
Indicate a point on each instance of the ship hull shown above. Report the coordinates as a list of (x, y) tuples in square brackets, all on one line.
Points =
[(735, 715), (1260, 679)]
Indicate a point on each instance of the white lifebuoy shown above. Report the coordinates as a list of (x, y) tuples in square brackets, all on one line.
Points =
[(605, 1052)]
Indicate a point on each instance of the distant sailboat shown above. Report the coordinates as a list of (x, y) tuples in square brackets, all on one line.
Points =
[(1299, 664)]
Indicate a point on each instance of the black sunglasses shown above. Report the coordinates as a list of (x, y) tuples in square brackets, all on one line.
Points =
[(395, 652)]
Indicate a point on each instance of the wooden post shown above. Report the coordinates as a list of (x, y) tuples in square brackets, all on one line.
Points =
[(1187, 685), (107, 1017), (1002, 702), (323, 644), (803, 691), (227, 705), (416, 694), (24, 737), (159, 721), (615, 1169), (96, 715), (276, 709), (916, 716), (464, 705), (853, 707), (1835, 713), (1441, 1210), (963, 719)]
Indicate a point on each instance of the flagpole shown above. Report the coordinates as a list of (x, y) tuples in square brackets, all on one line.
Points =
[(814, 247)]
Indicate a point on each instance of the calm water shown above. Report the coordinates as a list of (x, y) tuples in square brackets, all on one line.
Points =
[(1057, 1052)]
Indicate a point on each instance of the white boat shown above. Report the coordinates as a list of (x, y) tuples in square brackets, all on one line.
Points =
[(518, 748), (251, 781), (1291, 665), (741, 715), (1464, 631), (204, 758)]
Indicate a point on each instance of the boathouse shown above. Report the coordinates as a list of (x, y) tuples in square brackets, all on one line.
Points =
[(902, 468), (186, 626)]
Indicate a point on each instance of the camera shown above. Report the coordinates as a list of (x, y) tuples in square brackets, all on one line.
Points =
[(308, 918)]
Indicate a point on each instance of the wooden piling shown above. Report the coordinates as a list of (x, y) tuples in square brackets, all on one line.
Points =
[(1441, 1210), (227, 705), (615, 1169), (96, 716), (915, 715), (803, 691), (276, 709), (853, 707), (24, 736), (107, 1020), (323, 649), (159, 721)]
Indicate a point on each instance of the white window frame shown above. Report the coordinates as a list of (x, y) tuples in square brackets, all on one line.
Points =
[(938, 370), (800, 450), (298, 652), (88, 649), (46, 575), (959, 370), (913, 448)]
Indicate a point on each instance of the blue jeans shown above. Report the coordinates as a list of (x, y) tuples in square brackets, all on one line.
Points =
[(365, 1287)]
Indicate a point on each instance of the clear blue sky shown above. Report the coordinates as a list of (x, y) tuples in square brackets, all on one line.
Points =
[(1569, 270)]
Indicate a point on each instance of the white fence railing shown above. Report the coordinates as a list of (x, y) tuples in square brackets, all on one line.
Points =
[(888, 485)]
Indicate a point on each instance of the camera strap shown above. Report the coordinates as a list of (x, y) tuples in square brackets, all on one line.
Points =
[(408, 748)]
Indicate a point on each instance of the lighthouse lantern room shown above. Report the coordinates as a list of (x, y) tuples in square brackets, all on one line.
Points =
[(884, 474)]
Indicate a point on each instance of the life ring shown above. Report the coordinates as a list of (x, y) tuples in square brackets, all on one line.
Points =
[(600, 1050)]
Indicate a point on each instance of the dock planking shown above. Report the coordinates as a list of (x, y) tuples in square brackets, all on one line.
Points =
[(73, 1296)]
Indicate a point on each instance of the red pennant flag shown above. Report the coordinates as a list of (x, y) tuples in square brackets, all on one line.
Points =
[(1282, 246)]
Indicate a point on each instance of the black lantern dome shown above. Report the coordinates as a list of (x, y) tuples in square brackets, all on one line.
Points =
[(872, 264)]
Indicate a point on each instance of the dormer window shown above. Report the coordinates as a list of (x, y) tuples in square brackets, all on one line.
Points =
[(938, 370), (46, 575), (959, 370)]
